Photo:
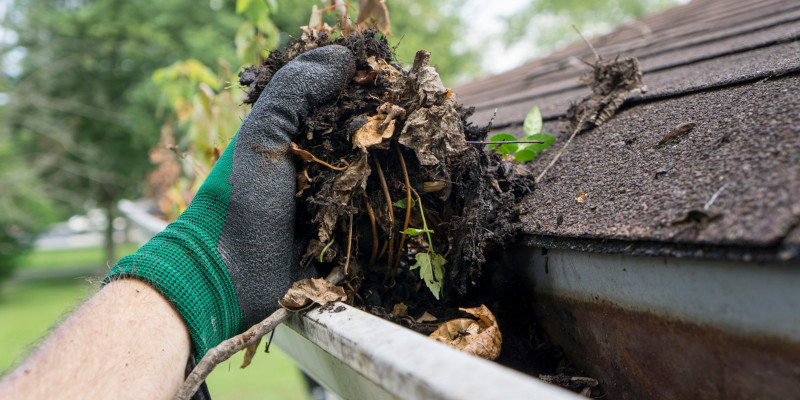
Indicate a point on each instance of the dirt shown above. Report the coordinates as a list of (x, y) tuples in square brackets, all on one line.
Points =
[(469, 196)]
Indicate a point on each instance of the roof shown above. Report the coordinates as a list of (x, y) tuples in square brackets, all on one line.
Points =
[(730, 187)]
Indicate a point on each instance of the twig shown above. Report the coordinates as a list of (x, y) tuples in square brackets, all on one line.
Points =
[(408, 203), (424, 223), (228, 348), (375, 243), (349, 244), (586, 41), (503, 141), (391, 215), (560, 152), (714, 197)]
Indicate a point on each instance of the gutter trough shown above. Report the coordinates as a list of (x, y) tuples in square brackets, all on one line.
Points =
[(647, 327)]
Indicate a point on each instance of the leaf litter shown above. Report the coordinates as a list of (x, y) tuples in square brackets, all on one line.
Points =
[(395, 131)]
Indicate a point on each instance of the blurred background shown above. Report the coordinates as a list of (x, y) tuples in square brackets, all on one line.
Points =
[(106, 101)]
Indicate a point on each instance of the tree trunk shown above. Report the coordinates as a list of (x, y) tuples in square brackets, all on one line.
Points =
[(109, 234)]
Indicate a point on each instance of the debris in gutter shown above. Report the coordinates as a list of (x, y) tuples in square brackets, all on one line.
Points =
[(611, 81), (479, 337)]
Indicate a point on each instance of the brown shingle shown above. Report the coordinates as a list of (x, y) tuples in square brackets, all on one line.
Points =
[(729, 66)]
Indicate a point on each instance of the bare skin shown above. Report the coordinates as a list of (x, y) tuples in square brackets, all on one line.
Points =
[(125, 342)]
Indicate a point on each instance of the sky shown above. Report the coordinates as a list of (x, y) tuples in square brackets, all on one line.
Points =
[(488, 27)]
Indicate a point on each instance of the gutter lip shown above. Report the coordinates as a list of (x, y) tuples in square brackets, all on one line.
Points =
[(407, 364), (781, 252)]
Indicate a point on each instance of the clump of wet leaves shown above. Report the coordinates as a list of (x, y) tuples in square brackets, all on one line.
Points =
[(389, 185)]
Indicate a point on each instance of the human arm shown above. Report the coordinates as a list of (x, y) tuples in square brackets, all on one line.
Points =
[(127, 341), (223, 265)]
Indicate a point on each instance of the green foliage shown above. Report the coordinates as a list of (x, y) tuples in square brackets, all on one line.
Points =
[(415, 231), (258, 34), (431, 270), (525, 151), (546, 24), (81, 109), (402, 203), (430, 264)]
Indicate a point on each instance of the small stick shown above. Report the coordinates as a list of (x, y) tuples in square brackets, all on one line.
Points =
[(553, 161), (391, 214), (375, 243), (228, 348), (587, 42), (349, 244), (503, 141), (714, 197), (408, 204)]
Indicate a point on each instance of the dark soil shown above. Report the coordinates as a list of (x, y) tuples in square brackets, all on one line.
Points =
[(470, 198)]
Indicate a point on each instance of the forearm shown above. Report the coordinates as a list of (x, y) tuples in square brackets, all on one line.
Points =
[(125, 342)]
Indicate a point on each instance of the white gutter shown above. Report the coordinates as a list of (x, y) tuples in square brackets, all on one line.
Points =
[(359, 356)]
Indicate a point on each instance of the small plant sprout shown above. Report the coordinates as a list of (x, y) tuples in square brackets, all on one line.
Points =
[(430, 263), (522, 149)]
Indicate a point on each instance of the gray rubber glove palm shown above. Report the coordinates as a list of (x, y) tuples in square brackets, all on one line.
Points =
[(229, 257)]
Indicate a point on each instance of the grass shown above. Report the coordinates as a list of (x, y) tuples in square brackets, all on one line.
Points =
[(93, 256), (28, 309)]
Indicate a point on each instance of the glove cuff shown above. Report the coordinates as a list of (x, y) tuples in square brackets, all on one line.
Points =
[(183, 264)]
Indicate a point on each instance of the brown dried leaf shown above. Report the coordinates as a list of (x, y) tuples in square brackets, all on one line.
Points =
[(400, 310), (374, 14), (435, 134), (581, 197), (481, 338), (370, 134), (385, 70), (249, 353), (426, 317), (302, 182), (611, 81), (307, 292), (364, 77)]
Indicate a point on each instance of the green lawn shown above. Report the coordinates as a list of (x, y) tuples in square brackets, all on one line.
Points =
[(93, 256), (28, 309)]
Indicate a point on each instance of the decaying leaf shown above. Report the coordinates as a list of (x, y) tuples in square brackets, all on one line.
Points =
[(384, 69), (315, 26), (481, 338), (392, 111), (610, 81), (302, 182), (426, 317), (307, 292), (400, 310), (434, 133), (375, 15), (352, 179), (372, 134), (249, 353)]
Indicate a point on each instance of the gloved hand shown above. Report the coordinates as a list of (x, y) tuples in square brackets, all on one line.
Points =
[(227, 260)]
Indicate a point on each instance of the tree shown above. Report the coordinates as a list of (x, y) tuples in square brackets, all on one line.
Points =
[(546, 24), (82, 107)]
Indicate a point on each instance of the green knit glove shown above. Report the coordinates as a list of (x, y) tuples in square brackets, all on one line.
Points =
[(227, 260)]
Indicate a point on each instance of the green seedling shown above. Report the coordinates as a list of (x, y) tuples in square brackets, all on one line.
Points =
[(523, 152), (430, 263)]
